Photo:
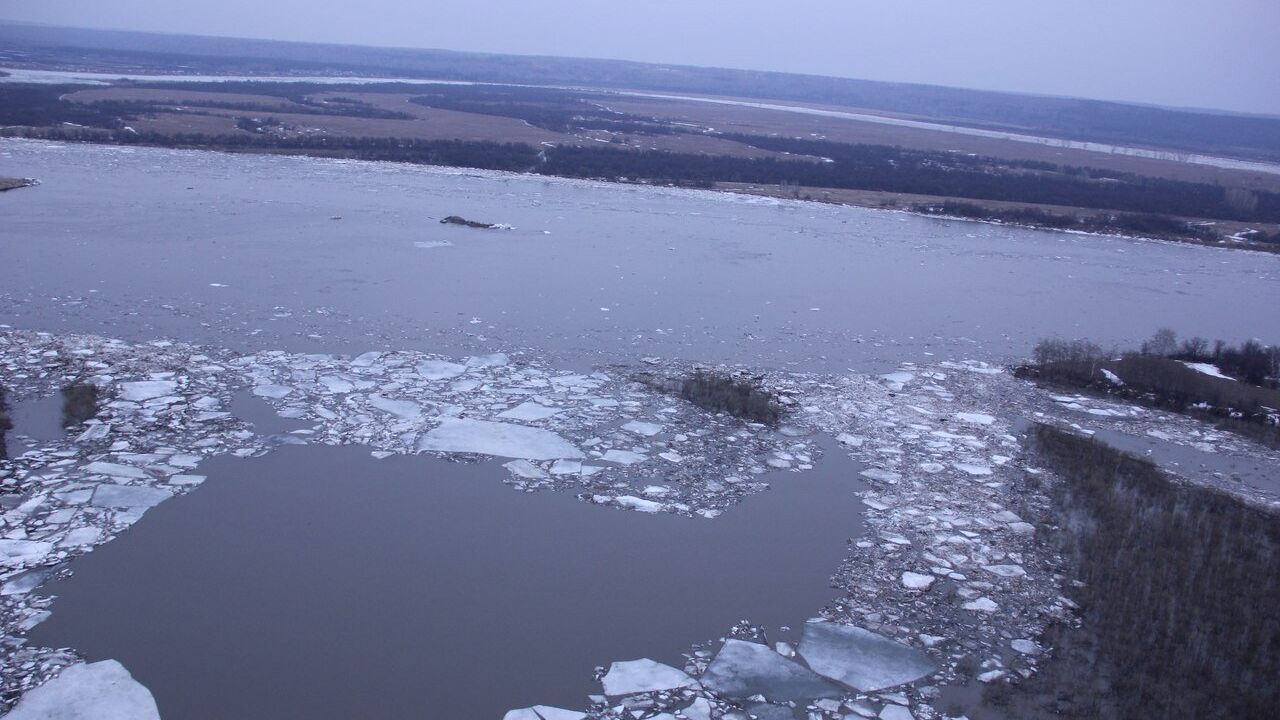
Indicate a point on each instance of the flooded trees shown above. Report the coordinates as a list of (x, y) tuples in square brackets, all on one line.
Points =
[(1178, 585)]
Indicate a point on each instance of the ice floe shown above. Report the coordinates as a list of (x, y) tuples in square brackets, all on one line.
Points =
[(644, 675), (95, 691), (742, 669), (860, 658), (949, 567), (144, 390), (494, 438)]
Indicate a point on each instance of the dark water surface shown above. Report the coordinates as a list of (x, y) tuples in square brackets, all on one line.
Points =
[(244, 251), (1193, 463), (36, 418), (317, 582)]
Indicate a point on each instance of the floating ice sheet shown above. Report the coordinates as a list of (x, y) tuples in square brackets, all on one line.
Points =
[(403, 409), (627, 677), (860, 658), (97, 691), (129, 496), (14, 553), (499, 439), (529, 411), (742, 669)]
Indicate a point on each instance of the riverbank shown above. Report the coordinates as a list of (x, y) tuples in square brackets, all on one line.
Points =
[(1226, 234)]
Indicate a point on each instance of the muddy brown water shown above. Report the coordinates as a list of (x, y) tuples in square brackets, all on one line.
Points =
[(319, 582)]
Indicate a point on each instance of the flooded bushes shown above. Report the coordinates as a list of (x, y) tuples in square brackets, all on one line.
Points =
[(459, 220), (740, 395), (1164, 381), (737, 395), (79, 403), (5, 423), (1179, 594), (1146, 224)]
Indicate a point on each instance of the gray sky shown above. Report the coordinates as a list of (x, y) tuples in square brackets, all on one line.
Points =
[(1206, 53)]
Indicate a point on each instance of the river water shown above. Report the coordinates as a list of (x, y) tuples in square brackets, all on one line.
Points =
[(316, 581), (248, 252)]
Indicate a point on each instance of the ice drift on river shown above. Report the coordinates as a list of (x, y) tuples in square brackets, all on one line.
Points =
[(860, 658), (147, 390), (626, 677), (129, 496), (543, 712), (742, 669), (495, 438), (98, 691)]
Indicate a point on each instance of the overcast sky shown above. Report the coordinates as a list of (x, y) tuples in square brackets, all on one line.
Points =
[(1200, 53)]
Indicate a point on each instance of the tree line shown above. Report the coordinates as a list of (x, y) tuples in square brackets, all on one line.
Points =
[(812, 163), (1179, 593)]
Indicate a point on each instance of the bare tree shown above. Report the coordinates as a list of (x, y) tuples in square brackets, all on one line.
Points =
[(1163, 344)]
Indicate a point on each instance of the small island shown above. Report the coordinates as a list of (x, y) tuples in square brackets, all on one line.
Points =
[(7, 183), (459, 220)]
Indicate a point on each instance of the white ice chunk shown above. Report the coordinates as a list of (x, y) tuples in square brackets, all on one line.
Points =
[(97, 691), (439, 369), (1008, 571), (860, 658), (881, 475), (982, 604), (972, 469), (624, 457), (403, 409), (115, 470), (529, 411), (335, 384), (14, 553), (80, 536), (640, 504), (24, 583), (699, 710), (644, 675), (916, 581), (129, 496), (896, 380), (566, 467), (895, 712), (975, 418), (146, 390), (94, 432), (646, 429), (742, 669), (525, 469), (554, 713), (1026, 647), (500, 439), (275, 392)]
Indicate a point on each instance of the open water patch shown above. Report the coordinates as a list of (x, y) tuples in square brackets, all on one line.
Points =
[(319, 582)]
